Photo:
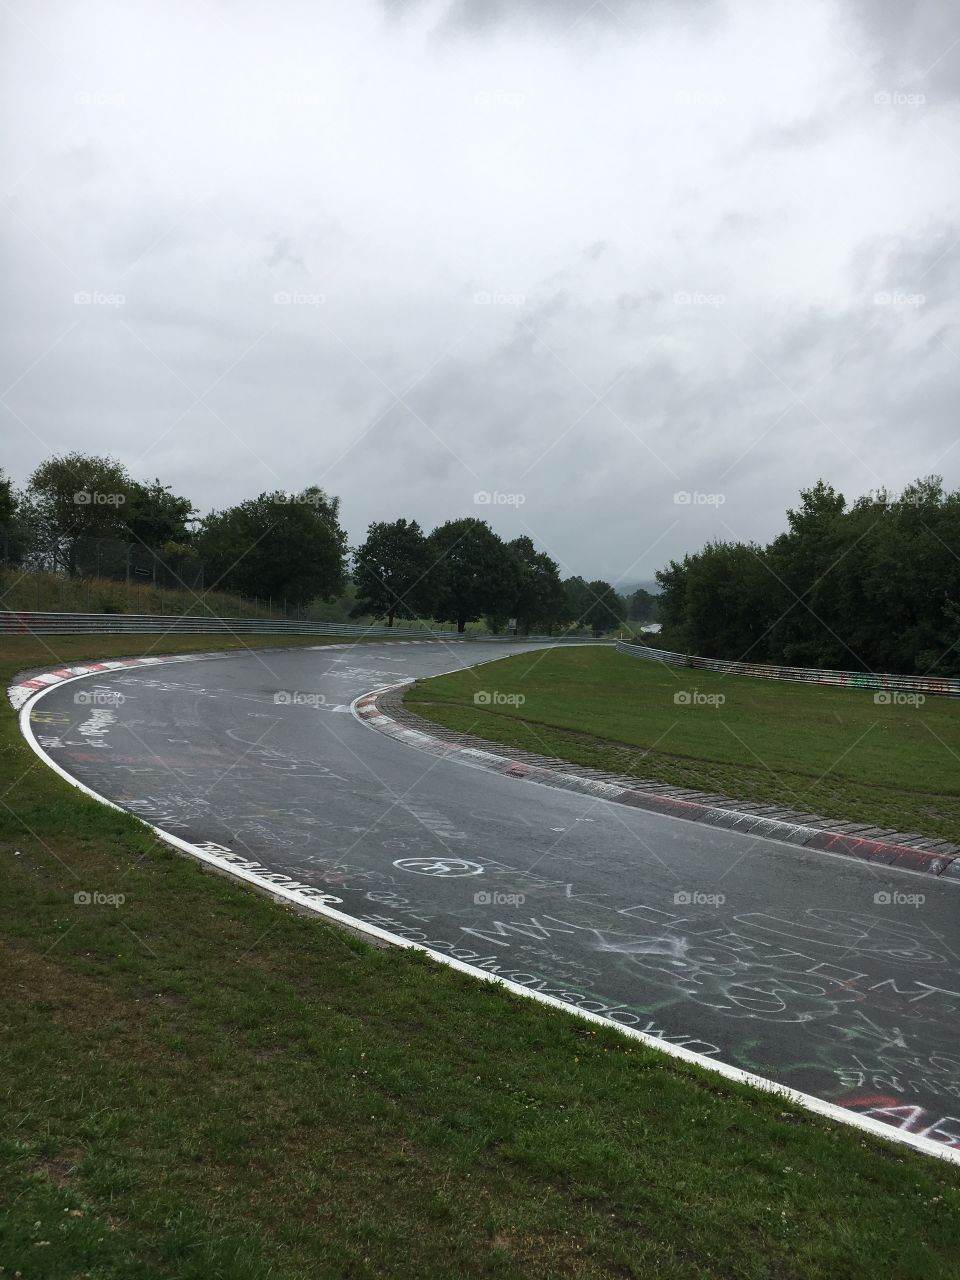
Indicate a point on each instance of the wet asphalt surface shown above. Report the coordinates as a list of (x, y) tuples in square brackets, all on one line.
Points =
[(831, 975)]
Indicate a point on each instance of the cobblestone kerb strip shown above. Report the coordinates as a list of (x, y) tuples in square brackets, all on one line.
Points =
[(383, 710)]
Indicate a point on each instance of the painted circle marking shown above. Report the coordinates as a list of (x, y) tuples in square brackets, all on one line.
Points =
[(445, 868)]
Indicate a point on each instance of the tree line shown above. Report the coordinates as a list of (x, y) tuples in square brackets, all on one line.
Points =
[(291, 547), (874, 585), (464, 571)]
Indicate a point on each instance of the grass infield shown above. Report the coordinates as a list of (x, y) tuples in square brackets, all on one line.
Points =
[(834, 752), (202, 1084)]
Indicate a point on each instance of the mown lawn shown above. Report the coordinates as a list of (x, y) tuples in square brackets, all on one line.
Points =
[(201, 1084), (836, 752)]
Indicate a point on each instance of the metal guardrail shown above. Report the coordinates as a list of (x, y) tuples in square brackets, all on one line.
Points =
[(74, 624), (939, 686)]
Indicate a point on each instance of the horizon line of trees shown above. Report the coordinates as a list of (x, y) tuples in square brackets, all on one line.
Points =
[(291, 547), (871, 586), (464, 571)]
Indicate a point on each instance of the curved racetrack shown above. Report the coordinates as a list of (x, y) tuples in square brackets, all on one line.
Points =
[(822, 973)]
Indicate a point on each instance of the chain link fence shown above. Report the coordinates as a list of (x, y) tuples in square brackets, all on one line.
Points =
[(108, 575), (107, 558)]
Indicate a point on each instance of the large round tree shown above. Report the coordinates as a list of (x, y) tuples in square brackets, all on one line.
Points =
[(476, 572)]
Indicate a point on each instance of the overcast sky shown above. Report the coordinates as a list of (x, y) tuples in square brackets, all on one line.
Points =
[(580, 258)]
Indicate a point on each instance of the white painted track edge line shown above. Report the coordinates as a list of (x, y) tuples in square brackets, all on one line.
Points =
[(808, 1102)]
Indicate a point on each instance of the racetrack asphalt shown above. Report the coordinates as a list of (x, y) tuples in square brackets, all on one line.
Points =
[(827, 974)]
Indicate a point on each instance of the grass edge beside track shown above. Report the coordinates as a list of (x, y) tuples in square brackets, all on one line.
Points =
[(851, 778), (206, 1084)]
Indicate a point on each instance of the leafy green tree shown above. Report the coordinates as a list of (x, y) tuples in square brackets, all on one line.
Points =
[(870, 586), (606, 609), (157, 517), (476, 574), (672, 604), (76, 495), (728, 587), (540, 602), (592, 604), (284, 546), (8, 502), (395, 573), (804, 599), (576, 593), (12, 540), (642, 606), (896, 582)]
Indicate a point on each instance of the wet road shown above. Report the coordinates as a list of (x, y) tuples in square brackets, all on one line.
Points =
[(834, 976)]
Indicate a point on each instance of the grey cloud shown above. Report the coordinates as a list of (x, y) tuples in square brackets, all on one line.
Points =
[(700, 267), (811, 130), (281, 255), (913, 44), (477, 16), (629, 304)]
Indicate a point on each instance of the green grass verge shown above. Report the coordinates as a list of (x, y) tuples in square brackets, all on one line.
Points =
[(18, 653), (56, 593), (202, 1084), (53, 592), (829, 751)]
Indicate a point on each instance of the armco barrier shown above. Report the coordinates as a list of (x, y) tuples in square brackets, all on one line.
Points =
[(937, 686), (77, 624)]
